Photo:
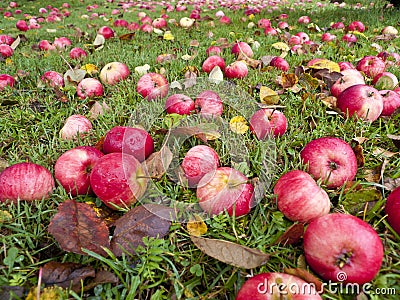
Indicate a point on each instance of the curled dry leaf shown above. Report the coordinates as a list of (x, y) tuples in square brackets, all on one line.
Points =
[(359, 152), (395, 139), (148, 220), (66, 275), (268, 96), (253, 63), (16, 42), (231, 253), (158, 162), (101, 277), (382, 152), (292, 235), (76, 226), (190, 79), (127, 37), (74, 76), (99, 41)]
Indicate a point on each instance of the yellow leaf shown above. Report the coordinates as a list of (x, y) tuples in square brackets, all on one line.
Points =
[(9, 61), (168, 36), (281, 46), (326, 64), (251, 17), (268, 96), (196, 227), (359, 34), (90, 69), (238, 125)]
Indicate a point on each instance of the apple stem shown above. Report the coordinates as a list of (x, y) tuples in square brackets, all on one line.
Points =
[(333, 165), (344, 259)]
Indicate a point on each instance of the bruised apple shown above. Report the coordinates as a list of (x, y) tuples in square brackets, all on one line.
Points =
[(118, 179), (72, 169), (225, 189), (300, 198), (270, 286), (342, 247), (25, 181)]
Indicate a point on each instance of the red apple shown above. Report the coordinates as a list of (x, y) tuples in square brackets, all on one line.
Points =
[(53, 79), (356, 26), (371, 66), (209, 103), (225, 189), (345, 65), (242, 47), (391, 102), (199, 161), (89, 88), (237, 69), (120, 23), (330, 159), (133, 26), (211, 62), (62, 42), (6, 80), (303, 36), (263, 23), (179, 104), (45, 45), (304, 200), (304, 20), (225, 20), (362, 101), (77, 53), (350, 77), (25, 181), (146, 28), (6, 50), (343, 248), (270, 31), (72, 169), (75, 125), (385, 81), (159, 23), (270, 286), (118, 179), (114, 72), (338, 25), (266, 122), (213, 50), (279, 63), (392, 209), (6, 39), (328, 37), (22, 25), (129, 140), (295, 40), (349, 37), (106, 31), (152, 86), (283, 25)]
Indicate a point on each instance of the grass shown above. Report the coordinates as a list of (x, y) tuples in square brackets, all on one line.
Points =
[(173, 268)]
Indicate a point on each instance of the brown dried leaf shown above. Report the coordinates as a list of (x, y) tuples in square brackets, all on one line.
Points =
[(3, 164), (292, 235), (158, 162), (373, 175), (66, 275), (253, 63), (328, 77), (287, 80), (101, 277), (329, 101), (384, 37), (223, 43), (391, 183), (306, 276), (359, 152), (148, 220), (190, 79), (76, 226), (98, 109), (204, 134), (266, 60), (73, 77), (231, 253), (395, 139), (382, 152), (60, 95), (194, 43), (127, 37)]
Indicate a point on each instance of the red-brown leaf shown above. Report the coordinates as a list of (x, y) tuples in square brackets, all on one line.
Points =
[(76, 226)]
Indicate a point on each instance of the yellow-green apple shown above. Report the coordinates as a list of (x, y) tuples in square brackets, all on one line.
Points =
[(267, 122), (330, 159), (225, 189), (152, 86), (180, 104), (118, 179), (129, 140), (25, 181), (72, 169), (89, 88), (300, 198), (362, 101), (114, 72), (274, 285), (343, 248), (199, 161), (392, 209)]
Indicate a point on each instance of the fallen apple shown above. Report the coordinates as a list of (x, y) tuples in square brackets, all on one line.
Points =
[(77, 53), (25, 181), (75, 125), (6, 80), (350, 77), (213, 61), (242, 47), (343, 248), (267, 122), (106, 31), (371, 66), (392, 209), (72, 169), (385, 81), (237, 69), (114, 72), (6, 50), (152, 86), (209, 104), (180, 104), (89, 88), (53, 79), (391, 102), (118, 179), (225, 189)]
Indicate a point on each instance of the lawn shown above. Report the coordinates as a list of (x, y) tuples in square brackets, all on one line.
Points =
[(55, 243)]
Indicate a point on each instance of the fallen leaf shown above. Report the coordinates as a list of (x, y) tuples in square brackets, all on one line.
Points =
[(359, 152), (306, 276), (253, 63), (98, 109), (158, 162), (382, 152), (266, 60), (66, 275), (76, 226), (204, 132), (60, 95), (73, 77), (268, 96), (325, 64), (162, 58), (168, 36), (101, 277), (190, 79), (99, 41), (281, 46), (238, 124), (16, 42), (329, 101), (91, 69), (231, 253), (148, 220), (127, 37), (356, 202), (287, 80), (194, 43), (395, 139), (216, 76), (141, 70), (391, 183), (196, 227), (3, 164), (292, 235), (5, 217)]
